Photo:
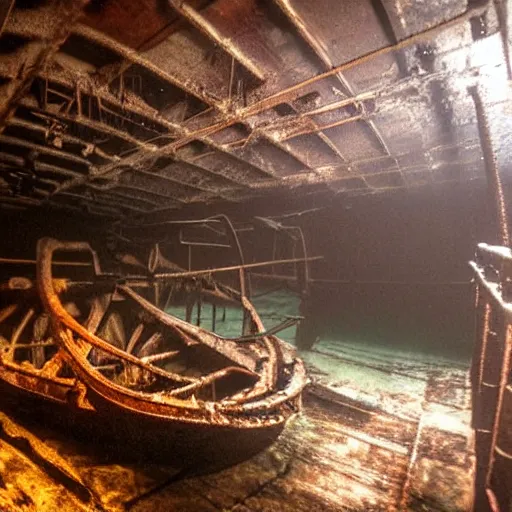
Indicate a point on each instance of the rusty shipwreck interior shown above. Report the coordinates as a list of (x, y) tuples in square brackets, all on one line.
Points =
[(255, 255)]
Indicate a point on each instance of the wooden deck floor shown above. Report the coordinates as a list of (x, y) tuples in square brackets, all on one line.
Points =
[(407, 447)]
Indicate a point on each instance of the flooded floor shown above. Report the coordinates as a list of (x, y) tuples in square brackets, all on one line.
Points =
[(382, 429)]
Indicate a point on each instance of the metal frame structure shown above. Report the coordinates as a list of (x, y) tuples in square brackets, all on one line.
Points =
[(191, 155)]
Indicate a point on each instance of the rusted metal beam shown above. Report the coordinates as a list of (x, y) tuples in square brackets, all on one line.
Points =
[(18, 161), (292, 92), (150, 196), (381, 11), (142, 109), (226, 43), (169, 198), (314, 44), (89, 147), (332, 146), (106, 202), (56, 204), (194, 273), (87, 122), (502, 11), (20, 200), (48, 151), (491, 167), (213, 174), (180, 183), (310, 39), (277, 142), (5, 11), (115, 193), (44, 167), (136, 58), (353, 100), (248, 165), (206, 192), (116, 210), (64, 15), (46, 181), (316, 129), (152, 115)]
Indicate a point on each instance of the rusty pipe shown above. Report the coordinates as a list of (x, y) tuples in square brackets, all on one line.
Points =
[(491, 166)]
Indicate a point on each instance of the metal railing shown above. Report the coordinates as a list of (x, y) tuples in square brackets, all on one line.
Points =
[(492, 380)]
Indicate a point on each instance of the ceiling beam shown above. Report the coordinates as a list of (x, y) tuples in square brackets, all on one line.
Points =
[(18, 161), (87, 146), (106, 202), (138, 108), (138, 190), (226, 43), (27, 25), (242, 114), (108, 130), (316, 129), (133, 56), (64, 13), (180, 183), (294, 91), (132, 198), (300, 26), (98, 213), (87, 122), (14, 141), (320, 52)]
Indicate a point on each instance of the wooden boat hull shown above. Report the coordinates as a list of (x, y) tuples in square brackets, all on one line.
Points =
[(230, 401), (122, 435)]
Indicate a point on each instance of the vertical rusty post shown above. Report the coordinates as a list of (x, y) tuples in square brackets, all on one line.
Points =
[(502, 14), (483, 314), (245, 283), (189, 307), (306, 334), (491, 166), (156, 287), (274, 252), (199, 306), (504, 376)]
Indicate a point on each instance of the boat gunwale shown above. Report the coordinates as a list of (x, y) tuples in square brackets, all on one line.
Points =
[(170, 408)]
